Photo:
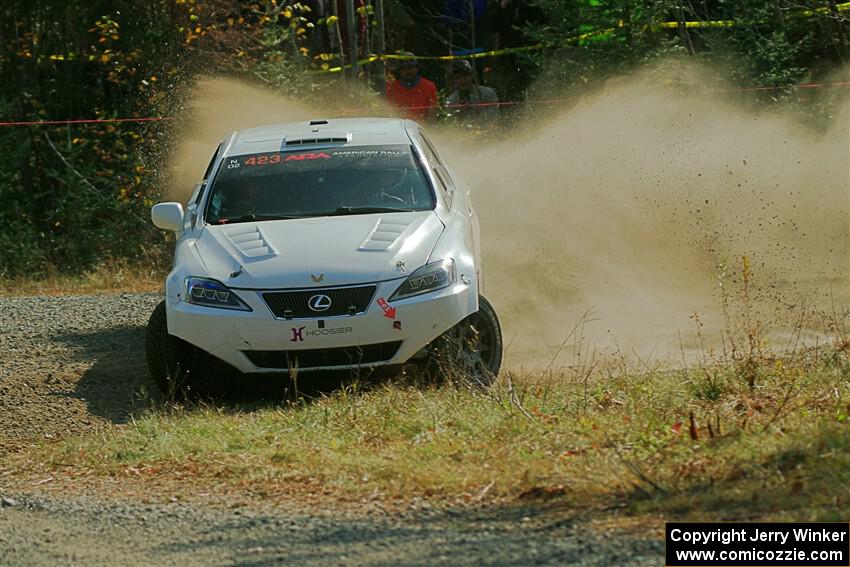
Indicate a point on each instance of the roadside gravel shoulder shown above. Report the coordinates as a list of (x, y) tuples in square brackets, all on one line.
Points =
[(69, 364), (85, 531), (74, 364)]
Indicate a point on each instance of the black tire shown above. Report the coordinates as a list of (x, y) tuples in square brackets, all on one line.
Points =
[(470, 351), (161, 353), (179, 369)]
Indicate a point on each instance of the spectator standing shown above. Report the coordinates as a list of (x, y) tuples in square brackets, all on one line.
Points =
[(471, 103), (415, 95)]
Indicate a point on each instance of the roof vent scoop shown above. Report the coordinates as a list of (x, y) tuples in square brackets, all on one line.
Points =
[(317, 138), (317, 122), (316, 141)]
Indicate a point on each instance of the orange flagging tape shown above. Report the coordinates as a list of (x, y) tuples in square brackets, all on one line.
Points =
[(801, 86), (559, 100), (85, 121), (428, 107)]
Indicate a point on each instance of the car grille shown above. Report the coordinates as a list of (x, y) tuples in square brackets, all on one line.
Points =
[(344, 301), (314, 358)]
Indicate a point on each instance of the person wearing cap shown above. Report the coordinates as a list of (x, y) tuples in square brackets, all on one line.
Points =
[(415, 95), (471, 103)]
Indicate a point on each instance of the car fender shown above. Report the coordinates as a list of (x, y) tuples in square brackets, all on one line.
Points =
[(187, 262), (457, 243), (463, 204)]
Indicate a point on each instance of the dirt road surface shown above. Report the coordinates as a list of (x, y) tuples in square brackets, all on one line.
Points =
[(72, 364), (85, 532)]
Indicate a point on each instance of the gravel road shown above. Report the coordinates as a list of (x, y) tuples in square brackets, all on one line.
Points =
[(86, 532), (70, 364)]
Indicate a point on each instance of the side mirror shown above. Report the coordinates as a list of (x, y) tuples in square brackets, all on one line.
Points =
[(168, 216)]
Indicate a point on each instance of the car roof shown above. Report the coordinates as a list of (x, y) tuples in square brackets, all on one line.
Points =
[(320, 132)]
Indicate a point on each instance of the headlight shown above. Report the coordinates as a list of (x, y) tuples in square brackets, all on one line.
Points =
[(210, 293), (426, 279)]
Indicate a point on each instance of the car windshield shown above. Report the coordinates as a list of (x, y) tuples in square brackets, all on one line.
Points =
[(298, 184)]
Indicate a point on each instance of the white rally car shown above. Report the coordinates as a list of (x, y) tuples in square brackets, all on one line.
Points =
[(325, 245)]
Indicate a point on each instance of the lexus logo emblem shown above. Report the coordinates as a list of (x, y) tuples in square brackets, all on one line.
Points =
[(319, 303)]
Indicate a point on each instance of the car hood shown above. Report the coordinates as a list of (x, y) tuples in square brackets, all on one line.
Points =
[(319, 252)]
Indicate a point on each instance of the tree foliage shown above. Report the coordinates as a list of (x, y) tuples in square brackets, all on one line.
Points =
[(78, 192), (763, 43), (73, 194)]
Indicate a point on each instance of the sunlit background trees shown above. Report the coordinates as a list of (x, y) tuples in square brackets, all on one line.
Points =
[(75, 193)]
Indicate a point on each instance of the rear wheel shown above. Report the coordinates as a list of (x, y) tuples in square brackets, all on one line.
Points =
[(472, 349)]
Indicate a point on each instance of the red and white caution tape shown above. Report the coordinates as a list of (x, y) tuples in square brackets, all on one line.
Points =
[(423, 107)]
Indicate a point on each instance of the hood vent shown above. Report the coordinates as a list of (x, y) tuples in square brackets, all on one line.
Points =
[(316, 140), (250, 242), (385, 233)]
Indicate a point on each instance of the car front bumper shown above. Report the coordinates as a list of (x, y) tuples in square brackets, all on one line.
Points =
[(257, 342)]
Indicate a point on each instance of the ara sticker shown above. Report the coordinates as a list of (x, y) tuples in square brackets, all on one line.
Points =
[(397, 325), (300, 157), (388, 311), (272, 159)]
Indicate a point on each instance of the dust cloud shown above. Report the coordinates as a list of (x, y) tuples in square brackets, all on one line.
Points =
[(627, 205), (622, 208), (216, 108)]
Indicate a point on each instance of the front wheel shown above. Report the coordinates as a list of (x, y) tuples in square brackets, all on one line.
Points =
[(161, 352), (472, 349), (178, 368)]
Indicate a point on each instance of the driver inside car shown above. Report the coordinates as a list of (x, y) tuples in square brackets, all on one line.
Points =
[(387, 188), (238, 201), (254, 196)]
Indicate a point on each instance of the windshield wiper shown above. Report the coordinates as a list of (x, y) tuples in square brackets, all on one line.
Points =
[(338, 212), (252, 218), (365, 211)]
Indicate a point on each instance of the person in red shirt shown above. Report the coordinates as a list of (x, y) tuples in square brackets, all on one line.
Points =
[(415, 95)]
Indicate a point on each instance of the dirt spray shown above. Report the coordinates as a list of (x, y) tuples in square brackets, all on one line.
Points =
[(629, 208)]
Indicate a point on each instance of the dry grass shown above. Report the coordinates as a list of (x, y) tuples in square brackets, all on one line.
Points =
[(675, 443), (742, 433), (111, 276)]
